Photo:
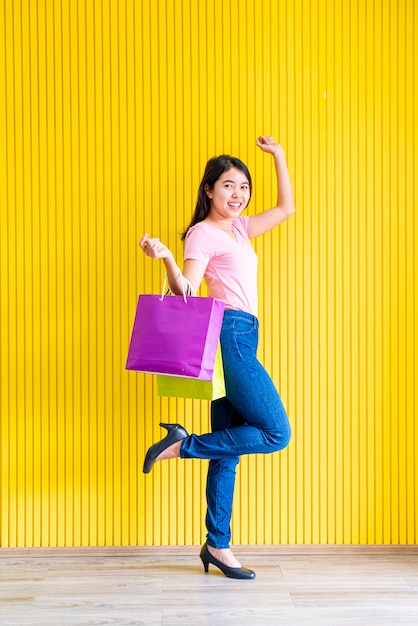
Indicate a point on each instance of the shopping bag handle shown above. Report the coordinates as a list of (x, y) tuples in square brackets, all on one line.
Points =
[(183, 282)]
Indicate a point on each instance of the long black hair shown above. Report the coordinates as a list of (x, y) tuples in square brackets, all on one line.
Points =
[(214, 169)]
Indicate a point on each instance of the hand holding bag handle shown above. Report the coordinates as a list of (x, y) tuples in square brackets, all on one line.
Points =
[(188, 290)]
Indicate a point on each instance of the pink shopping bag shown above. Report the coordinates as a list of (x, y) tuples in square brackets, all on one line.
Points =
[(176, 335)]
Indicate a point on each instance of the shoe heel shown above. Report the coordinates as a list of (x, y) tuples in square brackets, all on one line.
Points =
[(168, 427), (205, 565)]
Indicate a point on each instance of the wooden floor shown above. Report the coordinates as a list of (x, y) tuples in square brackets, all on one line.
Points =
[(168, 590)]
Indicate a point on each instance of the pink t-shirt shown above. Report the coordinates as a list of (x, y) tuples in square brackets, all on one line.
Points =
[(231, 265)]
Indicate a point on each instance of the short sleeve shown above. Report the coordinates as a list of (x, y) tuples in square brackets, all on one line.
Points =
[(245, 222), (198, 246)]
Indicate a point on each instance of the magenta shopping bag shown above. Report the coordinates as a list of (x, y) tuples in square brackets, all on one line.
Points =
[(176, 335)]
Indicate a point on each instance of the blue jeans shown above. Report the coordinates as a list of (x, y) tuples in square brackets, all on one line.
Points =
[(250, 419)]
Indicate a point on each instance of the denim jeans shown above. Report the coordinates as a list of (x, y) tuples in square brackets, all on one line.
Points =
[(250, 419)]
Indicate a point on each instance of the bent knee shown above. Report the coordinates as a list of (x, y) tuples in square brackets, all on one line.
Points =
[(279, 439)]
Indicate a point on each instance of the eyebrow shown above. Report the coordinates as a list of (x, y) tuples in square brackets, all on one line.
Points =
[(232, 181)]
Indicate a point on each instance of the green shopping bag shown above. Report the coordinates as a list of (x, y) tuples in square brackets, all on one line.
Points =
[(178, 387)]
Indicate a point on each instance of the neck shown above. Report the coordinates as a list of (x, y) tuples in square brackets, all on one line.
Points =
[(225, 225)]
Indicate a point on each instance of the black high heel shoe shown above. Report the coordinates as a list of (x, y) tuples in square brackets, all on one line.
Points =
[(175, 433), (232, 572)]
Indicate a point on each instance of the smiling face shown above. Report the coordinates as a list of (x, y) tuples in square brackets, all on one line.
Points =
[(229, 195)]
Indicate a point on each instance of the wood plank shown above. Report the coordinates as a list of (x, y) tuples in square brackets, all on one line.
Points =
[(191, 550)]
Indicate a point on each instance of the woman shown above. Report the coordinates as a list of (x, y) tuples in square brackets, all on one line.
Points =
[(251, 418)]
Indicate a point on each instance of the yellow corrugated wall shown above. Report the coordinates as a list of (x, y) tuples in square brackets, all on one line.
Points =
[(109, 110)]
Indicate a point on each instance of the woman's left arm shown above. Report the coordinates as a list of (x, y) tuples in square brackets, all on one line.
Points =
[(263, 222)]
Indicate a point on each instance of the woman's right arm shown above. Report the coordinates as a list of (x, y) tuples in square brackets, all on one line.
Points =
[(193, 270)]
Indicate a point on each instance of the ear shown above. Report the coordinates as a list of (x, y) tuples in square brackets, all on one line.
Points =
[(208, 190)]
